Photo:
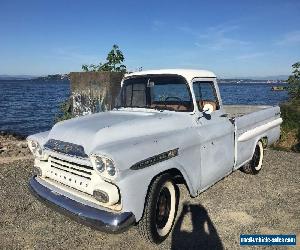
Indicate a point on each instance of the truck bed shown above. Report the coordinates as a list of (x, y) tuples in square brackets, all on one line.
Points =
[(240, 110), (253, 122)]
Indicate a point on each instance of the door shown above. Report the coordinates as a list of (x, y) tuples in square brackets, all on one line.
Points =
[(216, 134)]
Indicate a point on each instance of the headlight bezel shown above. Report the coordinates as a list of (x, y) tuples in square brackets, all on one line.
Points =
[(108, 164)]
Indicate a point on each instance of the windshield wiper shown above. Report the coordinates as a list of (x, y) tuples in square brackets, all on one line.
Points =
[(161, 109)]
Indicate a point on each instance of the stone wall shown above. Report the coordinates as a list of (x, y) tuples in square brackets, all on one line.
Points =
[(93, 92)]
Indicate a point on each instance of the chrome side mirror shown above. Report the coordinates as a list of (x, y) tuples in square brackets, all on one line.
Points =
[(208, 109)]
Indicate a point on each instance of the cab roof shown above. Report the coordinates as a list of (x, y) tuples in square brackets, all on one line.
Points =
[(188, 74)]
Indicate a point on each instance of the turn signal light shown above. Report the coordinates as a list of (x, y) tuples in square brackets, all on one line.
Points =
[(101, 196)]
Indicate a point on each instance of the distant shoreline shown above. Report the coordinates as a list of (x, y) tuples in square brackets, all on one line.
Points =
[(220, 81), (34, 80), (274, 79)]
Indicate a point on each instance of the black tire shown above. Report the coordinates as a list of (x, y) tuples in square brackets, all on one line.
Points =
[(255, 164), (160, 210)]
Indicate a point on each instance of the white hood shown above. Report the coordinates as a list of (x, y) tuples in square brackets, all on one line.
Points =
[(96, 130)]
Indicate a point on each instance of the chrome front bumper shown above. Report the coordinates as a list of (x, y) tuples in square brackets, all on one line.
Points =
[(100, 219)]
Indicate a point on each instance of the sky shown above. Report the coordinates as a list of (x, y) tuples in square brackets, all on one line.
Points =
[(231, 38)]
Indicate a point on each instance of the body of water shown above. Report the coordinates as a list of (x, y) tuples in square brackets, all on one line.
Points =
[(252, 93), (28, 107)]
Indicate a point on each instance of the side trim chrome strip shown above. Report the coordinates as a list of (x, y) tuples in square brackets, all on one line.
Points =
[(258, 130), (155, 159)]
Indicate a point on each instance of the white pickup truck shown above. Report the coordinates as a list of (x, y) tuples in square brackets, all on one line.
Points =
[(120, 168)]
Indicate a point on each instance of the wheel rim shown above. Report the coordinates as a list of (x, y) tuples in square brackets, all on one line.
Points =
[(163, 208)]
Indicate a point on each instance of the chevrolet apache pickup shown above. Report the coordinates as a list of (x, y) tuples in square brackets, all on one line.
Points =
[(120, 168)]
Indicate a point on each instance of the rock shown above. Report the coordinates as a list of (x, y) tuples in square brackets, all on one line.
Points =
[(9, 153), (22, 144), (2, 149)]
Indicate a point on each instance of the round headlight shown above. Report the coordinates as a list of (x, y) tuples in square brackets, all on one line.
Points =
[(99, 164), (110, 168), (39, 151), (104, 166), (35, 148)]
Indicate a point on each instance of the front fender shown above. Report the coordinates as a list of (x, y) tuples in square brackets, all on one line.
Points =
[(135, 184)]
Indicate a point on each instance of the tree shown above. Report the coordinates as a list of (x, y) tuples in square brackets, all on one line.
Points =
[(294, 82), (114, 62), (90, 68)]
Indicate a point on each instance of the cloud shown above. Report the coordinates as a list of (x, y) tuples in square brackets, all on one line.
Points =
[(217, 37), (222, 29), (73, 54), (250, 56), (157, 25), (290, 38), (188, 30), (221, 43)]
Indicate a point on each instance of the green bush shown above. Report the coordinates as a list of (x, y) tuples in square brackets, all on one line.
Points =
[(290, 113), (290, 128), (65, 111)]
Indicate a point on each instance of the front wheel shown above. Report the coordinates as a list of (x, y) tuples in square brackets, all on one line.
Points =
[(160, 210), (255, 164)]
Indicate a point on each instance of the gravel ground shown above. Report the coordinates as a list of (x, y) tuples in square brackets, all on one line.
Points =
[(264, 204), (12, 147)]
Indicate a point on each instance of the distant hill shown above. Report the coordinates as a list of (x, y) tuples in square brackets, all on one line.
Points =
[(27, 77), (54, 77), (17, 77), (278, 77)]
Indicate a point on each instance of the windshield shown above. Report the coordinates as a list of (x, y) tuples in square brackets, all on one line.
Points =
[(167, 92)]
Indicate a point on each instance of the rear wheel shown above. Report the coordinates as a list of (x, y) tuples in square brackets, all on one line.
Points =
[(160, 210), (255, 165)]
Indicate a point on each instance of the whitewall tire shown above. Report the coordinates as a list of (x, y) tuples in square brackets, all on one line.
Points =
[(160, 209), (255, 164)]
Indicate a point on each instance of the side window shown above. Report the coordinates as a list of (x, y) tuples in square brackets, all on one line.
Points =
[(205, 94)]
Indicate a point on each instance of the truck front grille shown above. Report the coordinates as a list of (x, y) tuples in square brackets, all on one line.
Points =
[(83, 171), (66, 148)]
